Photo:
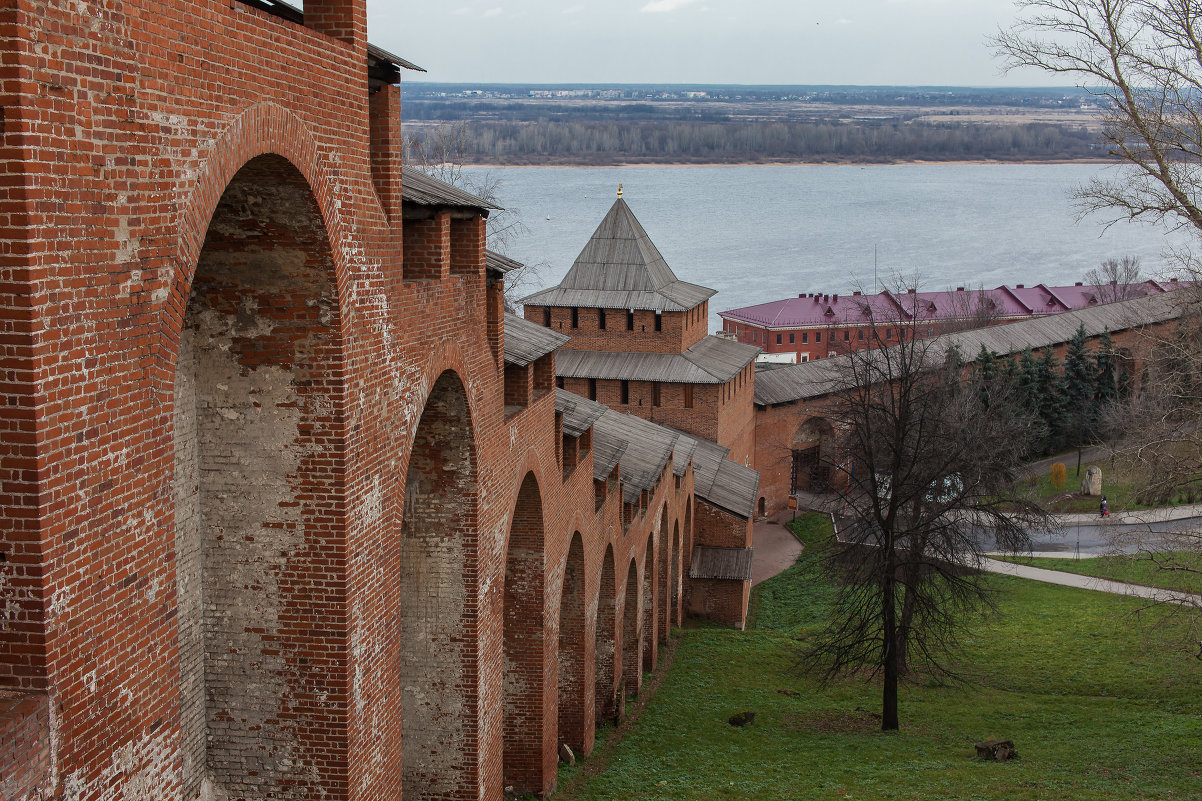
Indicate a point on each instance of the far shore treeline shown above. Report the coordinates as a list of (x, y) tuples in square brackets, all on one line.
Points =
[(593, 143), (508, 125)]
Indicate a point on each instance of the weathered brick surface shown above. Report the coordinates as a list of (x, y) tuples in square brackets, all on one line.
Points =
[(270, 529), (25, 755)]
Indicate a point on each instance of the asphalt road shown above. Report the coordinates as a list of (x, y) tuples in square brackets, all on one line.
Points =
[(1106, 537)]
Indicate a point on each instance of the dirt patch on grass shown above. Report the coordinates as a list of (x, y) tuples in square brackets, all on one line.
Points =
[(835, 721)]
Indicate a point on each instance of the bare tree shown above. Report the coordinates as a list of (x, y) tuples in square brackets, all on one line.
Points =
[(930, 471), (1142, 59), (1116, 279)]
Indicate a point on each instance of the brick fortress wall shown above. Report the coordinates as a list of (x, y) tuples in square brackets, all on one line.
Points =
[(268, 526)]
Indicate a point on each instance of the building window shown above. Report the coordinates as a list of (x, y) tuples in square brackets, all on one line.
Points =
[(888, 333), (846, 335), (778, 339), (805, 357), (630, 320), (601, 319), (860, 334), (559, 382), (659, 322), (792, 339), (688, 396), (575, 317), (805, 337), (592, 389), (755, 336), (625, 392), (547, 316), (817, 336), (655, 397)]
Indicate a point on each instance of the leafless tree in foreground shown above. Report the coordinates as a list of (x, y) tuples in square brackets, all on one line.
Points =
[(930, 466), (1116, 279)]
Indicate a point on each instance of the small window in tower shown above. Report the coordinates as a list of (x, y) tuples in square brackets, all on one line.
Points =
[(630, 320), (688, 396), (592, 389), (559, 382), (601, 319), (547, 316), (625, 392), (655, 396), (659, 321), (575, 317)]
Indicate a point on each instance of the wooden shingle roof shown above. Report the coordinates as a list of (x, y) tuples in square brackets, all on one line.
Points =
[(721, 563), (644, 447), (526, 342), (620, 268), (425, 190), (710, 361)]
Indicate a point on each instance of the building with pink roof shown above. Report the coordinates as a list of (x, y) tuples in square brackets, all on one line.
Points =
[(817, 325)]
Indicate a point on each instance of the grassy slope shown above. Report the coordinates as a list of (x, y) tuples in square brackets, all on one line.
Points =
[(1120, 490), (1094, 716), (1136, 569)]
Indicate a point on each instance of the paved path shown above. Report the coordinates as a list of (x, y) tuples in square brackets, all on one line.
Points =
[(776, 549), (1091, 583)]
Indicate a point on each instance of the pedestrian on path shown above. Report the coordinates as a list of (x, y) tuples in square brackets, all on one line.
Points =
[(1105, 508)]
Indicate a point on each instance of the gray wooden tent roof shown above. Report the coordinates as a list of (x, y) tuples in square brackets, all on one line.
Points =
[(526, 342), (817, 378), (620, 268), (710, 361), (425, 190), (721, 563)]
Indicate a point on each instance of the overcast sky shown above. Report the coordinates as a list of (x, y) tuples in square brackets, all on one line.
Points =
[(905, 42)]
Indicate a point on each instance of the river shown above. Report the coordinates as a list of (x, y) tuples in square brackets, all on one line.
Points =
[(760, 233)]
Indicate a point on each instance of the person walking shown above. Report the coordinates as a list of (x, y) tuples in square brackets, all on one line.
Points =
[(1105, 507)]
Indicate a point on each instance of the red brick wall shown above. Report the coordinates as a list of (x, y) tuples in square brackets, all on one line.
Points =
[(679, 330), (176, 336), (25, 756)]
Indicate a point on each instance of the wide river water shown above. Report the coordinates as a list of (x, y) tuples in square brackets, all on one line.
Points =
[(760, 233)]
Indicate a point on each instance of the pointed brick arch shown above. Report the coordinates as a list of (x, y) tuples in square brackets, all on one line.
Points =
[(631, 680), (259, 458), (523, 646), (605, 653), (572, 653), (439, 556), (647, 640)]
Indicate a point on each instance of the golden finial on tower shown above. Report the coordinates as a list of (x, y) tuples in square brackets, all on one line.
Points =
[(619, 190)]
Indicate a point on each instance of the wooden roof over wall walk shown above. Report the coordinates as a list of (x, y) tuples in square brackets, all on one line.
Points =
[(527, 342), (721, 563), (817, 378), (426, 190), (710, 361)]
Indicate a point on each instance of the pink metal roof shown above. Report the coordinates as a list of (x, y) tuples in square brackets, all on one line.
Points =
[(814, 309)]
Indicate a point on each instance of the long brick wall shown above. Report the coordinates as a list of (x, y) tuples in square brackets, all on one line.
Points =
[(270, 529)]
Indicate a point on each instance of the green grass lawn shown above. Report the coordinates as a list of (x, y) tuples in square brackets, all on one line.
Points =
[(1133, 568), (1093, 713), (1120, 491)]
